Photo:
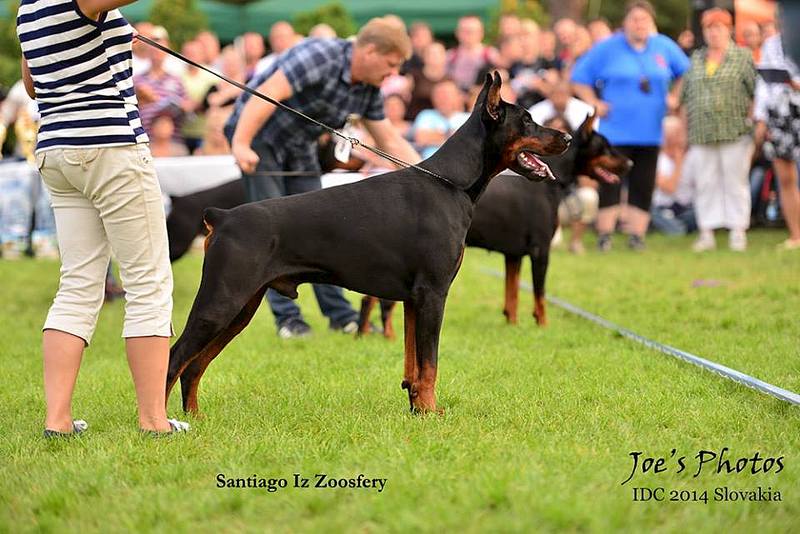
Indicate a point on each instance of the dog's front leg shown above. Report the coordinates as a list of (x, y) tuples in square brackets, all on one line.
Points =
[(428, 324), (410, 363), (539, 269)]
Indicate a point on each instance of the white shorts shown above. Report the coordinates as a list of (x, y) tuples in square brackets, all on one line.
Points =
[(108, 200)]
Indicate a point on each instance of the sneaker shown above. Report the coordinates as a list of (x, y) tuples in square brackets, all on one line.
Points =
[(604, 242), (737, 240), (294, 328), (175, 427), (636, 243), (350, 327), (704, 243)]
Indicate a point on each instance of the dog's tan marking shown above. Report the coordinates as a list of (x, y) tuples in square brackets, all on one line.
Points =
[(207, 241), (512, 289), (539, 310), (424, 400)]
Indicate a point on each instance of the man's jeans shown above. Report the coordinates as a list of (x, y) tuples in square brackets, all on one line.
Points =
[(673, 220), (330, 298)]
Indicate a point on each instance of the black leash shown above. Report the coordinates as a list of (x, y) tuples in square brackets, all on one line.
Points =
[(352, 140)]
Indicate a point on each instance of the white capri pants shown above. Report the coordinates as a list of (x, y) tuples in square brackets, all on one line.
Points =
[(722, 190), (108, 200)]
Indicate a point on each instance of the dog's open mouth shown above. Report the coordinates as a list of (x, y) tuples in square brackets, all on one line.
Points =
[(606, 175), (530, 162)]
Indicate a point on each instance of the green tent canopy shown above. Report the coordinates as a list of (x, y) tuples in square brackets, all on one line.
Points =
[(228, 20), (441, 15), (224, 19)]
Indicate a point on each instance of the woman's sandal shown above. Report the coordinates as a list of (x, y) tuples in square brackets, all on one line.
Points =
[(175, 427), (78, 427)]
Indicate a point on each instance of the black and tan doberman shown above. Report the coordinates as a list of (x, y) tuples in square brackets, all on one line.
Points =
[(399, 236), (518, 218)]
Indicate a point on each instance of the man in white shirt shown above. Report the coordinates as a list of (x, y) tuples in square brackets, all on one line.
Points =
[(561, 102)]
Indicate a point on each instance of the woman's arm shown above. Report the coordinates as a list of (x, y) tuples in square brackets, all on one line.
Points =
[(587, 94), (669, 182), (26, 78)]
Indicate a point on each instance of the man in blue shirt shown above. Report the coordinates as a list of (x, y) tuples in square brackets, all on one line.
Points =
[(326, 79), (627, 79)]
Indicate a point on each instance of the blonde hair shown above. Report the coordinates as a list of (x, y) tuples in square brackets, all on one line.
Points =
[(388, 34), (529, 26)]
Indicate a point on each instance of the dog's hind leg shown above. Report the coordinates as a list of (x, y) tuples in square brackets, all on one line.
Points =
[(410, 363), (226, 298), (367, 303), (512, 289), (191, 375), (539, 268), (387, 307)]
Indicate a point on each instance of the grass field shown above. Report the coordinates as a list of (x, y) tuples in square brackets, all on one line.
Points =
[(538, 423)]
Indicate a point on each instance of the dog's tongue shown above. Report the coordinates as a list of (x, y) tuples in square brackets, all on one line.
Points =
[(534, 162), (608, 176), (548, 171)]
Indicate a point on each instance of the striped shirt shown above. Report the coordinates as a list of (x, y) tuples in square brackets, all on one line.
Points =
[(81, 72)]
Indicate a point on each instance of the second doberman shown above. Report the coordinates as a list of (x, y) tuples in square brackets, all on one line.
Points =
[(518, 218), (399, 236)]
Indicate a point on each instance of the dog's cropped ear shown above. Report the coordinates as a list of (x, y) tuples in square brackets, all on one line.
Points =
[(493, 97), (587, 126), (481, 100)]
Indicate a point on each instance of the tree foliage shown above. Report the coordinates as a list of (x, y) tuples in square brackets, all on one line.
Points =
[(525, 9), (333, 14), (182, 19), (672, 16)]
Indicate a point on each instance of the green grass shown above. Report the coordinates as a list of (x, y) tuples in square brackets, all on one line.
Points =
[(536, 435)]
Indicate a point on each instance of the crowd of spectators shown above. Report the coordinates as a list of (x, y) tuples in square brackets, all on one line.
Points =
[(682, 112)]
